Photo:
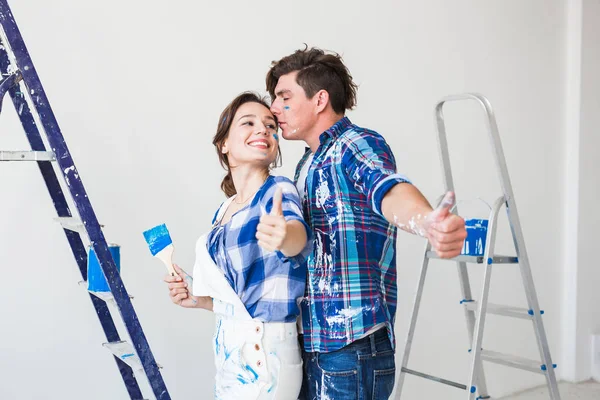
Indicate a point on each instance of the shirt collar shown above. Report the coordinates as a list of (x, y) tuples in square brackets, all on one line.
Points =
[(337, 129)]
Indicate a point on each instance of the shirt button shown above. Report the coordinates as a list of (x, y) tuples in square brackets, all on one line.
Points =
[(256, 347), (259, 363), (257, 329)]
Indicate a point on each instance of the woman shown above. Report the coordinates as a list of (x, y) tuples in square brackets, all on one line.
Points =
[(250, 268)]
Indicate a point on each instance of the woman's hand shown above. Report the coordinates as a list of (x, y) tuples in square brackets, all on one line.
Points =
[(275, 233), (272, 229), (180, 289)]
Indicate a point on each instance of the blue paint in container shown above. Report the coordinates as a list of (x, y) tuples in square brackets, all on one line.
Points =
[(96, 280), (474, 244)]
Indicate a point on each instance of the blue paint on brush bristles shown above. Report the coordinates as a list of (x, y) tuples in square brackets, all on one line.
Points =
[(157, 238)]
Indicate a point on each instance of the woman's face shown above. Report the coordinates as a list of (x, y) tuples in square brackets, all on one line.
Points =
[(252, 137)]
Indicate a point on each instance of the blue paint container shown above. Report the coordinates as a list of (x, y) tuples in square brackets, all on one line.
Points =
[(474, 244), (96, 280)]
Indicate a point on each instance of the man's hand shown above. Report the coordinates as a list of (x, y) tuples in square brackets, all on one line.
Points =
[(445, 231)]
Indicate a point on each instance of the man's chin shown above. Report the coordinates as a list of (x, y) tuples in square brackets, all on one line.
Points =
[(289, 134)]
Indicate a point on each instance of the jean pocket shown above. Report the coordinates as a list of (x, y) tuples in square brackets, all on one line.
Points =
[(338, 381), (383, 383), (339, 386)]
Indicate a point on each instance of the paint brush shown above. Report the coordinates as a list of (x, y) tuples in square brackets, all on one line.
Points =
[(161, 246)]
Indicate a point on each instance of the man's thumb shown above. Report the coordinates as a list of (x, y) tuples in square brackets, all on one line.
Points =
[(443, 209), (277, 198)]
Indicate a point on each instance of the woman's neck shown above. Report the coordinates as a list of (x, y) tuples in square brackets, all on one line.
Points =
[(247, 181)]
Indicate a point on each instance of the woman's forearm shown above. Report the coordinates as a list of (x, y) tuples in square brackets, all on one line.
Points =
[(205, 302), (295, 238)]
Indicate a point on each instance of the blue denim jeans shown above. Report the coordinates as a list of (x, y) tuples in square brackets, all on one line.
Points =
[(363, 370)]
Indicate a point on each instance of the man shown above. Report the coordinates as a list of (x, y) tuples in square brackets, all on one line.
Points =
[(354, 201)]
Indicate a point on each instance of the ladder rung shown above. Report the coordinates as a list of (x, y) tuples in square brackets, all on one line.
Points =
[(513, 361), (106, 296), (27, 156), (499, 259), (126, 353), (497, 309), (73, 224), (435, 378)]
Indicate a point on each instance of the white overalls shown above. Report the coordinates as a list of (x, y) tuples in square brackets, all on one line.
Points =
[(254, 359)]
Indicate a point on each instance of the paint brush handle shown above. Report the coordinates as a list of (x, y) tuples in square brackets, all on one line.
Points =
[(166, 256)]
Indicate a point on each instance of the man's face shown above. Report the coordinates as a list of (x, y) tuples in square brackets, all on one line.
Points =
[(295, 112)]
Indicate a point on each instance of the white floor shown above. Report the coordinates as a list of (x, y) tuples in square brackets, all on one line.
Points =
[(568, 391)]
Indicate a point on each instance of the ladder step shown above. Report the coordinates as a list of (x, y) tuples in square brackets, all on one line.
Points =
[(27, 156), (73, 224), (106, 296), (497, 309), (434, 378), (514, 361), (126, 353), (499, 259)]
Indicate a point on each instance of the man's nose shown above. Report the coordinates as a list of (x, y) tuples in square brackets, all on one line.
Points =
[(275, 108)]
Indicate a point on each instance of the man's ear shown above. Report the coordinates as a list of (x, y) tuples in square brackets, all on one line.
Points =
[(321, 100)]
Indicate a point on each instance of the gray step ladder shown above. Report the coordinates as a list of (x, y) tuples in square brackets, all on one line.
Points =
[(476, 311)]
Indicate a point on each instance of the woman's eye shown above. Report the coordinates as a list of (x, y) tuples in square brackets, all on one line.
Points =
[(249, 123), (271, 126)]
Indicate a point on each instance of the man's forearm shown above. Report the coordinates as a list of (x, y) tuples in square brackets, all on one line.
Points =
[(405, 207)]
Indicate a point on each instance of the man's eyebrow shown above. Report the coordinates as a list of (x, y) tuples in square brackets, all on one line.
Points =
[(282, 92)]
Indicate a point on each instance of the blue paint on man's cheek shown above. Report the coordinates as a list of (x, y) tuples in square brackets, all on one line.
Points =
[(287, 108)]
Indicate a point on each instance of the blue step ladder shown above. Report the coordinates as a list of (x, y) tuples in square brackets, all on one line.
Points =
[(19, 79)]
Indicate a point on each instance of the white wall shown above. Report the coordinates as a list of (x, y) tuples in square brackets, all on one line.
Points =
[(137, 87), (581, 296)]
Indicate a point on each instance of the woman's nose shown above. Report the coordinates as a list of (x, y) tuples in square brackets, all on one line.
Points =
[(262, 130)]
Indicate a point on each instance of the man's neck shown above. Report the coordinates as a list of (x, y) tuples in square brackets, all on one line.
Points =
[(321, 126)]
